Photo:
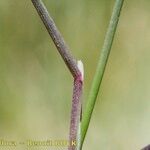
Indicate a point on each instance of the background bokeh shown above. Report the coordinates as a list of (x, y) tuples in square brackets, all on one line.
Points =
[(36, 87)]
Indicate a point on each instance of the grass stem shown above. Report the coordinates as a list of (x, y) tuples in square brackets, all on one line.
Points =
[(100, 68), (57, 38), (76, 69)]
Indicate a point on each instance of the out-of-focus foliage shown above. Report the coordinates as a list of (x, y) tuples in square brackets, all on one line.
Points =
[(36, 87)]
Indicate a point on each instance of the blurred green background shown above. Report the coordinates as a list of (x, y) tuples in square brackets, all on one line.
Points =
[(36, 87)]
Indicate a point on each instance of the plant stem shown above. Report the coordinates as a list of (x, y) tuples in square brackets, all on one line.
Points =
[(100, 69), (76, 69), (75, 114), (57, 38)]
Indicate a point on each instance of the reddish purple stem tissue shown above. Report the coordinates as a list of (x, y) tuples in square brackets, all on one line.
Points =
[(76, 69), (76, 108), (76, 111)]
